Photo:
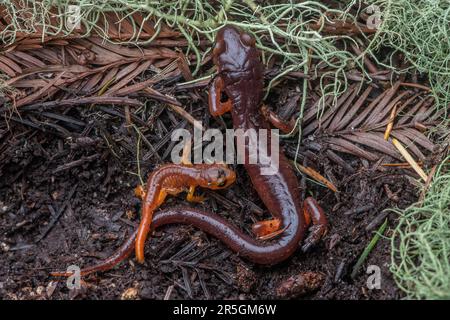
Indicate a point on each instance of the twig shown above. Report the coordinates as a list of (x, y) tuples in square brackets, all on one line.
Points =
[(57, 216), (186, 116), (76, 163), (316, 176), (80, 101), (390, 124), (410, 159), (168, 292)]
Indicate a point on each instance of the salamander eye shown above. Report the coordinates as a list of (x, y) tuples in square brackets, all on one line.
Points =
[(222, 178), (222, 183), (247, 39)]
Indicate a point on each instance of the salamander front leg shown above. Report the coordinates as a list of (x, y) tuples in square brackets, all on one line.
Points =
[(193, 198), (267, 229), (139, 192), (217, 107), (277, 122), (313, 212)]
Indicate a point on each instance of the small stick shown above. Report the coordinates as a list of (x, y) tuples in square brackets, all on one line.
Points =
[(415, 85), (390, 124), (337, 159), (410, 159), (316, 176), (69, 103), (400, 164), (168, 292), (427, 184), (76, 163), (369, 64), (184, 67), (129, 124), (187, 116), (359, 210)]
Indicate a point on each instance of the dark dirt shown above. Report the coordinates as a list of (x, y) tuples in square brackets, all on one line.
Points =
[(53, 215)]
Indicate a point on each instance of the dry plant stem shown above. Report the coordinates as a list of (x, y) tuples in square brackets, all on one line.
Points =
[(390, 123), (316, 176), (187, 116), (410, 159)]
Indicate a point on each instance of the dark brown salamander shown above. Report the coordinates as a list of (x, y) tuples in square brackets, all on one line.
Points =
[(240, 81), (240, 78)]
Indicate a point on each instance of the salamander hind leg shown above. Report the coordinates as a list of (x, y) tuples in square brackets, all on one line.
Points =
[(267, 229), (314, 213)]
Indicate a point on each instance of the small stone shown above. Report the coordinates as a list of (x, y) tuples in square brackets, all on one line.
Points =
[(300, 284), (245, 278), (3, 207), (40, 290), (4, 246), (129, 294), (55, 195), (131, 214), (51, 288)]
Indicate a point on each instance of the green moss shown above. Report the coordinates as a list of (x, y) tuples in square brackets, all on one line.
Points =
[(421, 242)]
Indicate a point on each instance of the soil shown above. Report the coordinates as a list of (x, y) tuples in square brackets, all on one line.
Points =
[(70, 201)]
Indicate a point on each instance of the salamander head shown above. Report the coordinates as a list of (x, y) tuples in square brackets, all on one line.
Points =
[(236, 56), (216, 176)]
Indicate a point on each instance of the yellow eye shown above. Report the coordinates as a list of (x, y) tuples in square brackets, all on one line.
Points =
[(221, 183)]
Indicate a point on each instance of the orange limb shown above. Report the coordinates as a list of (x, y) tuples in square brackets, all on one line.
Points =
[(192, 198), (216, 106), (266, 228), (139, 192), (275, 120), (273, 234)]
